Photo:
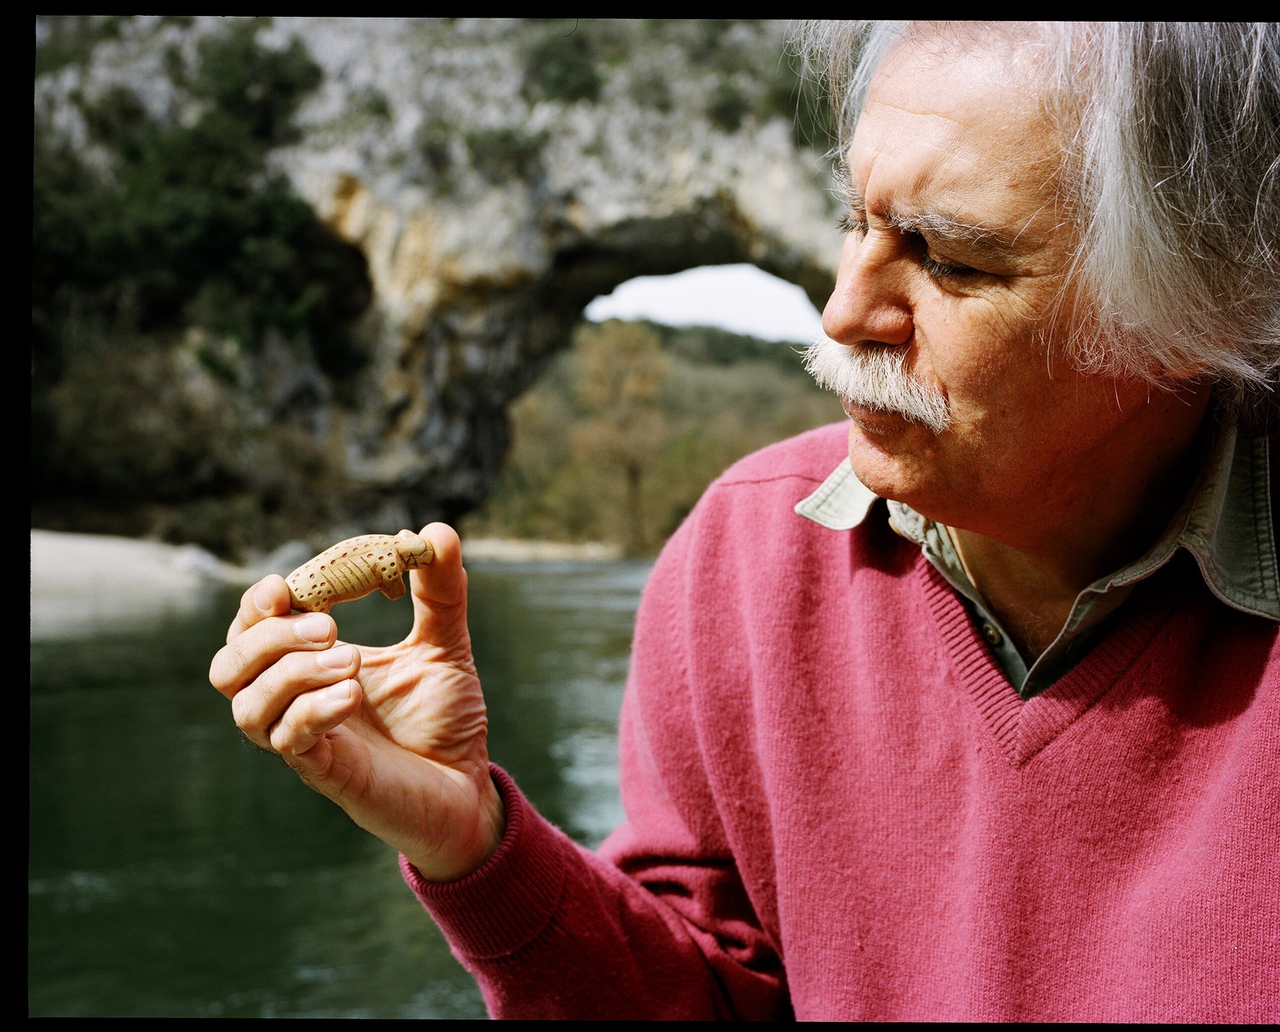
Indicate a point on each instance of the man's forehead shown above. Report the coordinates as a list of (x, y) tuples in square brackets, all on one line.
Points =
[(993, 53), (956, 92)]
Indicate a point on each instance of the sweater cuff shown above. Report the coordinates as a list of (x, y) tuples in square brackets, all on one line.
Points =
[(510, 899)]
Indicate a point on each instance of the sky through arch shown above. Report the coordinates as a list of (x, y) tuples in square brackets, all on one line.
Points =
[(739, 298)]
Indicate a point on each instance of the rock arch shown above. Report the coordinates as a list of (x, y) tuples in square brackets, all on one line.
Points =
[(480, 277)]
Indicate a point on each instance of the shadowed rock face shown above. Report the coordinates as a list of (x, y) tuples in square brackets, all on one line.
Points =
[(499, 175)]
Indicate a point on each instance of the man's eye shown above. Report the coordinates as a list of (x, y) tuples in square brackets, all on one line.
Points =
[(940, 270), (851, 223)]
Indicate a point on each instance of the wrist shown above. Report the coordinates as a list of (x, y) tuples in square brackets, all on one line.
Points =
[(467, 852)]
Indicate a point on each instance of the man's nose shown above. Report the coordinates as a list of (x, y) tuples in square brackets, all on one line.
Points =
[(870, 303)]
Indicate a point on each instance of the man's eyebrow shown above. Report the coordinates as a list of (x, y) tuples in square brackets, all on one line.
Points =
[(943, 228), (939, 227)]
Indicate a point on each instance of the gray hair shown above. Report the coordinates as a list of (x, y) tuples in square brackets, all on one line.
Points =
[(1171, 136)]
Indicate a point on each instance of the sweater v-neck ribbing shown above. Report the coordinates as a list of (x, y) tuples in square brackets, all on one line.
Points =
[(1023, 727)]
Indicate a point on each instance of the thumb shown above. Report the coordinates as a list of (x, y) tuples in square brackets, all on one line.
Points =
[(440, 591)]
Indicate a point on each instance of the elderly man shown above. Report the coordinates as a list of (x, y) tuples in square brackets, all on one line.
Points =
[(983, 724)]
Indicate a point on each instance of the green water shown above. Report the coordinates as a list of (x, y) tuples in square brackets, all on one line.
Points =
[(175, 870)]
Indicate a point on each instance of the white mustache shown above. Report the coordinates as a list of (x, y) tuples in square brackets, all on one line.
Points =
[(872, 377)]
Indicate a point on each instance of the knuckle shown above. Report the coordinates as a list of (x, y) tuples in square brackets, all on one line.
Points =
[(247, 712), (279, 738), (218, 672), (251, 653), (241, 653), (235, 664), (272, 701), (292, 734)]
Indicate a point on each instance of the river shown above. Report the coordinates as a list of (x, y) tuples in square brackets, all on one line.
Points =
[(175, 870)]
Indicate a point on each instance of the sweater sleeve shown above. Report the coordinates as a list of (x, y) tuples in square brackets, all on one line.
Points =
[(657, 925)]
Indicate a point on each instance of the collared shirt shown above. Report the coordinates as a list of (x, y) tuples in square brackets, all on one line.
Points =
[(1224, 522)]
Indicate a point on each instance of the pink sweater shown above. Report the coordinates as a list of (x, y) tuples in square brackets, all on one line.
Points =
[(839, 808)]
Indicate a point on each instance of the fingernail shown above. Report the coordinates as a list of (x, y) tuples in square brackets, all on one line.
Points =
[(312, 628), (337, 657), (262, 599)]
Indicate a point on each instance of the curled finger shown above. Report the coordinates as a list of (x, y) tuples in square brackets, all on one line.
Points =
[(311, 716), (269, 597)]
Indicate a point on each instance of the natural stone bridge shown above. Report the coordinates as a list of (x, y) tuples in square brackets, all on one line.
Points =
[(482, 260), (498, 176)]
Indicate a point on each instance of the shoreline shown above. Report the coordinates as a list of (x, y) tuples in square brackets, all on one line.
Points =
[(83, 583), (79, 564)]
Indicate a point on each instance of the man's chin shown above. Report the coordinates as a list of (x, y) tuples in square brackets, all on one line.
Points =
[(891, 455)]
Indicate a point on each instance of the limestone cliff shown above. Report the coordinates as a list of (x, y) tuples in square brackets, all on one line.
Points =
[(497, 176)]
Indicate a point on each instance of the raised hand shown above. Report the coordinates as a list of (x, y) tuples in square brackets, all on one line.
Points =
[(396, 736)]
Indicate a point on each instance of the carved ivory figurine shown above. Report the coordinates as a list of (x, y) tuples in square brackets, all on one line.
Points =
[(353, 568)]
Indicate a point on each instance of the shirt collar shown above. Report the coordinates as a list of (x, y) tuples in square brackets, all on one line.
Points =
[(841, 503), (1226, 524)]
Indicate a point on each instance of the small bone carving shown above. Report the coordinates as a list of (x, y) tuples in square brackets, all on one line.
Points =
[(353, 568)]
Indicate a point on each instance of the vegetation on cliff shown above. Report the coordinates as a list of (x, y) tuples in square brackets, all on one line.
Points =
[(156, 226)]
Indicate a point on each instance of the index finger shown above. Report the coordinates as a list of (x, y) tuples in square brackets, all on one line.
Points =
[(269, 597)]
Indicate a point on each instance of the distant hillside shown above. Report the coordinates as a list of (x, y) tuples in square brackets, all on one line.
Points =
[(622, 434)]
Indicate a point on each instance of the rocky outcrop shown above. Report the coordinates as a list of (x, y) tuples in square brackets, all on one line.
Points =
[(499, 175)]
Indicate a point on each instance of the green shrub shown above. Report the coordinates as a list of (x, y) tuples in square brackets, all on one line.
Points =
[(726, 106), (70, 39), (503, 154), (562, 67), (374, 103), (190, 214), (650, 89), (433, 142)]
